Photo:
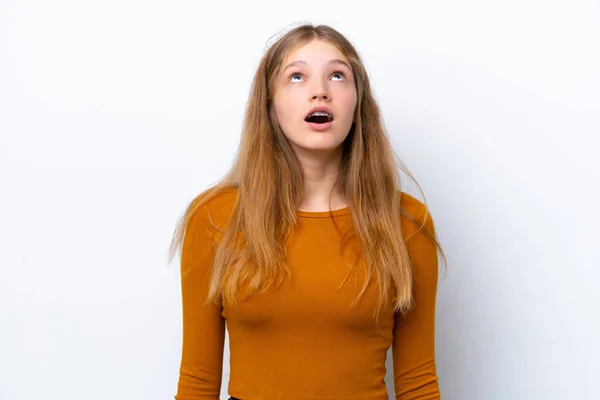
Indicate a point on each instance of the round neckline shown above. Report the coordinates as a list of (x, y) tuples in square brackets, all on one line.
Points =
[(323, 214)]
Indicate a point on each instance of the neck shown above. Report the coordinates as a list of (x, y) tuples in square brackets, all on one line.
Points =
[(321, 172)]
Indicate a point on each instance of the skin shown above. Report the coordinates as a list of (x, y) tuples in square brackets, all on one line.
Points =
[(298, 89)]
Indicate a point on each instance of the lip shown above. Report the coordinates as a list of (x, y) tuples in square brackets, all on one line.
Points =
[(321, 108), (320, 127)]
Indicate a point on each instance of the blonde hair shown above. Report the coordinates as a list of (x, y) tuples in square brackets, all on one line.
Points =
[(268, 178)]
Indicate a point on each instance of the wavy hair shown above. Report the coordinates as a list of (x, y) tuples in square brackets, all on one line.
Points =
[(268, 178)]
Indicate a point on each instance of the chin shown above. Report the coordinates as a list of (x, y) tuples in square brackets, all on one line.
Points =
[(319, 145), (319, 141)]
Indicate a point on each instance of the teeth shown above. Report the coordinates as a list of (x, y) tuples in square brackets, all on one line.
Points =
[(319, 114)]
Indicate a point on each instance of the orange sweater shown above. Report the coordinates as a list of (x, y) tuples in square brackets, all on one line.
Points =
[(301, 341)]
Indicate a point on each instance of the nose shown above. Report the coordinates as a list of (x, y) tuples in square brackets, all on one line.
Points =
[(320, 92)]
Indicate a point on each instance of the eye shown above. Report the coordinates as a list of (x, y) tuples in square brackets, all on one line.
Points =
[(339, 73), (295, 74)]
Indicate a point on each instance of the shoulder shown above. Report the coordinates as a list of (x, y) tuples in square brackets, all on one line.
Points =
[(215, 203), (415, 217), (411, 204), (421, 242)]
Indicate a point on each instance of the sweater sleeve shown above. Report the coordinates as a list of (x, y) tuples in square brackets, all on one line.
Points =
[(201, 365), (413, 350)]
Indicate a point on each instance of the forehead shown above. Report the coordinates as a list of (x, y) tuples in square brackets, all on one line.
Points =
[(314, 52)]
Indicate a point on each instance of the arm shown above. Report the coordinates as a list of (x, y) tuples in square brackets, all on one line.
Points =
[(203, 326), (413, 350)]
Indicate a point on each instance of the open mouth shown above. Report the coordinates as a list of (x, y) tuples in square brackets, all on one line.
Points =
[(319, 117)]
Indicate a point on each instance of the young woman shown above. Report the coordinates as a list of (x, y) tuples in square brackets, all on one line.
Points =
[(307, 248)]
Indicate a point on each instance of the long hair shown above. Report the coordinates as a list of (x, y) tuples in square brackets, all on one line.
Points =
[(268, 179)]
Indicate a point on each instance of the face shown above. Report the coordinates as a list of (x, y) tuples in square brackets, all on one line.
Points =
[(316, 74)]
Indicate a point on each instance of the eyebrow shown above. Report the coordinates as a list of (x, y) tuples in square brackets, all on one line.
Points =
[(332, 61)]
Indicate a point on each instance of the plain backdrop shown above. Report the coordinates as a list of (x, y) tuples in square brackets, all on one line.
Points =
[(115, 114)]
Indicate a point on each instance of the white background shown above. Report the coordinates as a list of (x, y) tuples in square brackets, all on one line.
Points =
[(115, 114)]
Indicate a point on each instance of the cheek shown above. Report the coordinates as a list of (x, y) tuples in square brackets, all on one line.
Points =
[(353, 102), (349, 101), (286, 108), (282, 113), (344, 94)]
